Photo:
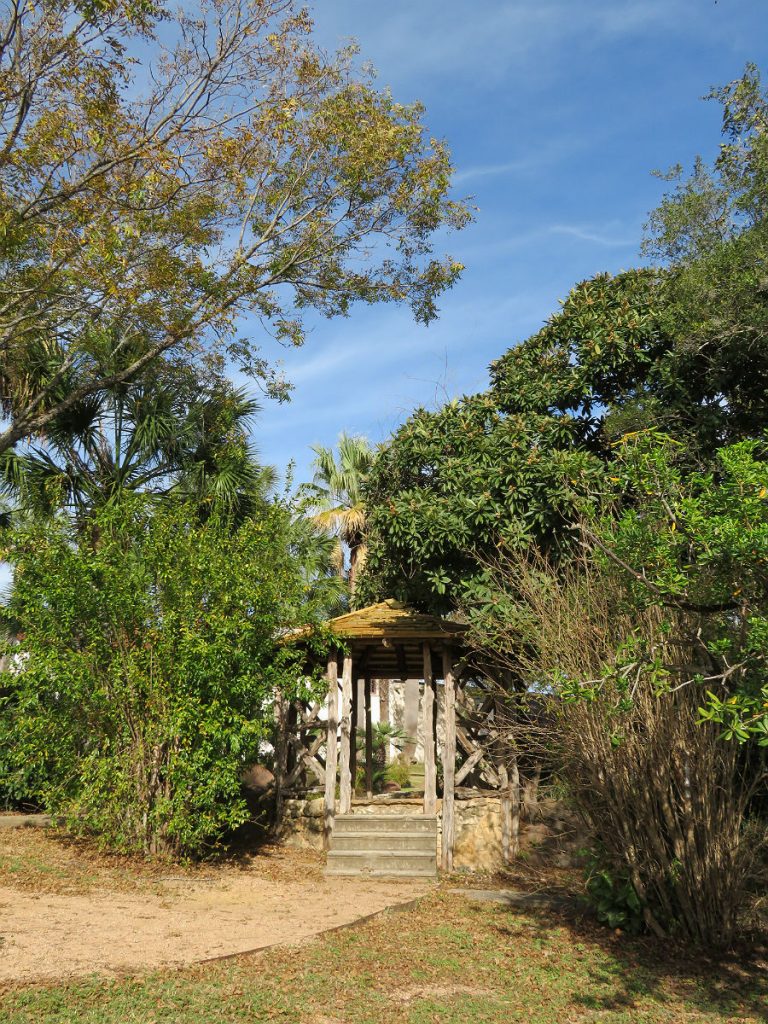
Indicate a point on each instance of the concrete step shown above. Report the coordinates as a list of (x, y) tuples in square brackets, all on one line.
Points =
[(382, 862), (384, 823), (372, 840)]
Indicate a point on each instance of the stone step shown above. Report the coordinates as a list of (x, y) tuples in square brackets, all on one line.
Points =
[(382, 862), (384, 823), (388, 873), (365, 840)]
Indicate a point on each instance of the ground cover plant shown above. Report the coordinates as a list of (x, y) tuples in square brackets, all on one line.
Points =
[(445, 960)]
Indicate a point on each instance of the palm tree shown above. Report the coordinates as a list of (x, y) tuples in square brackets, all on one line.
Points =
[(335, 500), (163, 434)]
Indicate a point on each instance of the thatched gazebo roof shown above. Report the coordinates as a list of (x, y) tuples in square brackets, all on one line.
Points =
[(386, 639)]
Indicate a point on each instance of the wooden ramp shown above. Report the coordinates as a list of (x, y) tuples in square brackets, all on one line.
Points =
[(391, 845)]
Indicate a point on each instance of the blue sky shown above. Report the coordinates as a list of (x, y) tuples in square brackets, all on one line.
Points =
[(556, 112)]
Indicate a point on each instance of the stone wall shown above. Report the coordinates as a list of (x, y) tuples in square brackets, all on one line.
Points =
[(550, 833), (303, 822)]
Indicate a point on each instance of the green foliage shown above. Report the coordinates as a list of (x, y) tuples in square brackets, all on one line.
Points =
[(399, 772), (462, 482), (146, 666), (334, 500), (149, 202), (517, 464), (697, 543), (613, 897), (382, 735), (164, 432)]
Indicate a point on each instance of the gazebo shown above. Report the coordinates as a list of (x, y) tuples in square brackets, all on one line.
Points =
[(388, 641)]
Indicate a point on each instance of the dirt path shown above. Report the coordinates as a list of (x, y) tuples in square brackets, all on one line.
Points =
[(52, 935)]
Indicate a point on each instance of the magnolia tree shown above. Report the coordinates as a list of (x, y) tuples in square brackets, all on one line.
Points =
[(162, 176)]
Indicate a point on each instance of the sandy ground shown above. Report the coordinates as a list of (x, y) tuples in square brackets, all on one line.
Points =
[(53, 935)]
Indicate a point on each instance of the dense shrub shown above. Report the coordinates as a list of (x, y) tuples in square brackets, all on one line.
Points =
[(145, 668), (653, 680)]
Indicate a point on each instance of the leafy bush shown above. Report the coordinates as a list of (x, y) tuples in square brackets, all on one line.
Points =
[(613, 898), (665, 794), (150, 663), (400, 773)]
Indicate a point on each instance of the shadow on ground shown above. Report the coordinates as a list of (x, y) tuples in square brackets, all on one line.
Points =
[(733, 981)]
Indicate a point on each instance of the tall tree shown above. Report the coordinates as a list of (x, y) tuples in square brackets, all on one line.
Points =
[(335, 500), (681, 348), (711, 233), (162, 175)]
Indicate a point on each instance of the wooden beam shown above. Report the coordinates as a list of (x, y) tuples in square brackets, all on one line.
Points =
[(345, 778), (428, 729), (306, 759), (449, 758), (469, 764), (331, 754), (368, 739), (355, 715), (307, 715), (470, 747)]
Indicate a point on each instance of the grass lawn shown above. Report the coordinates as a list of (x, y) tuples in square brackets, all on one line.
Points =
[(447, 960)]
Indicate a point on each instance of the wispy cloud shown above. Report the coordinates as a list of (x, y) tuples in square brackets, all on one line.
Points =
[(448, 39), (493, 170), (595, 236), (532, 159), (539, 238)]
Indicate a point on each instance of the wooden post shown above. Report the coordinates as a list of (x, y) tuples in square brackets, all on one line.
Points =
[(355, 714), (428, 729), (331, 751), (449, 758), (281, 756), (368, 740), (345, 778)]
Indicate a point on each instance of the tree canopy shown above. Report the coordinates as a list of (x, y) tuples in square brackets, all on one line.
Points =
[(162, 177), (680, 348), (161, 433)]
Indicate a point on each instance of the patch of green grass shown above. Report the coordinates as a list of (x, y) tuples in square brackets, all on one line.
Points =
[(448, 961), (15, 865)]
